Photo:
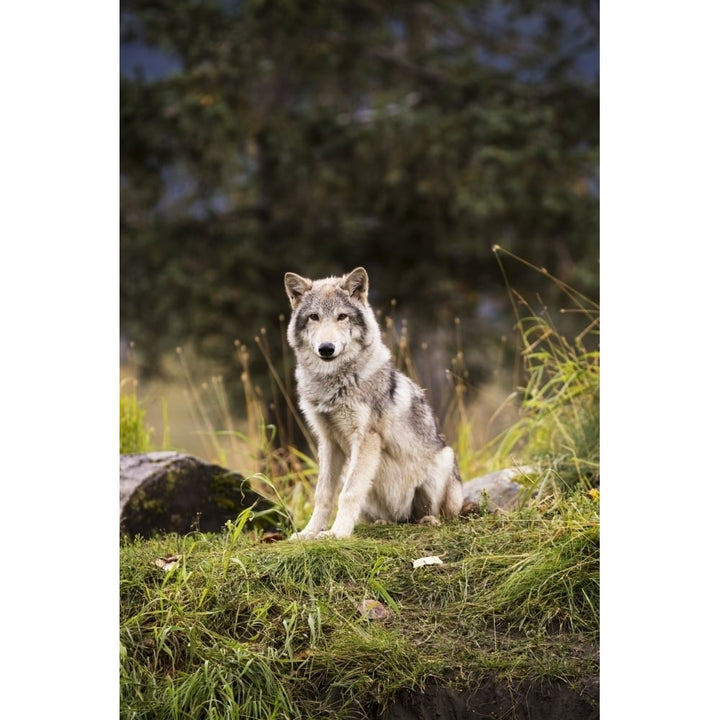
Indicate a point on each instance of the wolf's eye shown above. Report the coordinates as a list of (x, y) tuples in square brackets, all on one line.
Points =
[(314, 316), (342, 316)]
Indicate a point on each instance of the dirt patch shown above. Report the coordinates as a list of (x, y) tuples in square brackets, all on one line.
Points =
[(500, 700)]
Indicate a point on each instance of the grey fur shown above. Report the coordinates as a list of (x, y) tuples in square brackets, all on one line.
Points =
[(377, 436)]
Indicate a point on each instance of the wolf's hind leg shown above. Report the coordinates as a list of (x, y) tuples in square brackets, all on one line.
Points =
[(453, 496)]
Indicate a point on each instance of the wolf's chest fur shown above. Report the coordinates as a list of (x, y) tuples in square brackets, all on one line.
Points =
[(338, 407), (330, 393)]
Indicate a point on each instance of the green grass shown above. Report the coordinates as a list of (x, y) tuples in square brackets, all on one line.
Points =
[(558, 427), (240, 628), (134, 435)]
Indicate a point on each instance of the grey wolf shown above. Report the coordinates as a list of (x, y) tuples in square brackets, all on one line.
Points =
[(377, 436)]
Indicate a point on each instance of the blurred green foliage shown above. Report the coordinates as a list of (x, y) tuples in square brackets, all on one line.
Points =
[(317, 135), (134, 434)]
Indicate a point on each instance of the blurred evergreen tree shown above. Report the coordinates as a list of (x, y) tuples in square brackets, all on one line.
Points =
[(317, 135)]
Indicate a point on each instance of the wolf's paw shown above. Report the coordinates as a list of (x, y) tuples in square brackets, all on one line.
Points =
[(429, 520), (325, 535), (302, 535)]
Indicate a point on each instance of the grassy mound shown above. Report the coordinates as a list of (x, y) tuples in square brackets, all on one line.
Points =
[(239, 628)]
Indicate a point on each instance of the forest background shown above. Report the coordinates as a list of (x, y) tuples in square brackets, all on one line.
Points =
[(411, 138)]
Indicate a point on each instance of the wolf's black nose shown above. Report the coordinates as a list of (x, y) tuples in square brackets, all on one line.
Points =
[(326, 350)]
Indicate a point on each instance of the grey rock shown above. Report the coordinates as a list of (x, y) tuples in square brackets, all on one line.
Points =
[(499, 488), (162, 492)]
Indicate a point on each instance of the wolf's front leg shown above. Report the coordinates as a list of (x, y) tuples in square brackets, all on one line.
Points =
[(330, 465), (361, 469)]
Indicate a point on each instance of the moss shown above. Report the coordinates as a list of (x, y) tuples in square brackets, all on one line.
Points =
[(141, 503), (226, 490)]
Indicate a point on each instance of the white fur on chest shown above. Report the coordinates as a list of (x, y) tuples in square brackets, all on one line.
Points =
[(343, 422)]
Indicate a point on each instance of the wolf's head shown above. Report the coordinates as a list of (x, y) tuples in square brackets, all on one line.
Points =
[(330, 317)]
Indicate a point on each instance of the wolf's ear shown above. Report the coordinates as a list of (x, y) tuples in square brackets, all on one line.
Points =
[(356, 283), (295, 287)]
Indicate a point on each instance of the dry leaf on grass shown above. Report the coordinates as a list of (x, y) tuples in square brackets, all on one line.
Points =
[(373, 610), (428, 560), (168, 562), (272, 537)]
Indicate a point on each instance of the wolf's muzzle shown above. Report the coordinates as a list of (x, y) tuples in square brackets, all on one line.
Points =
[(326, 351)]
